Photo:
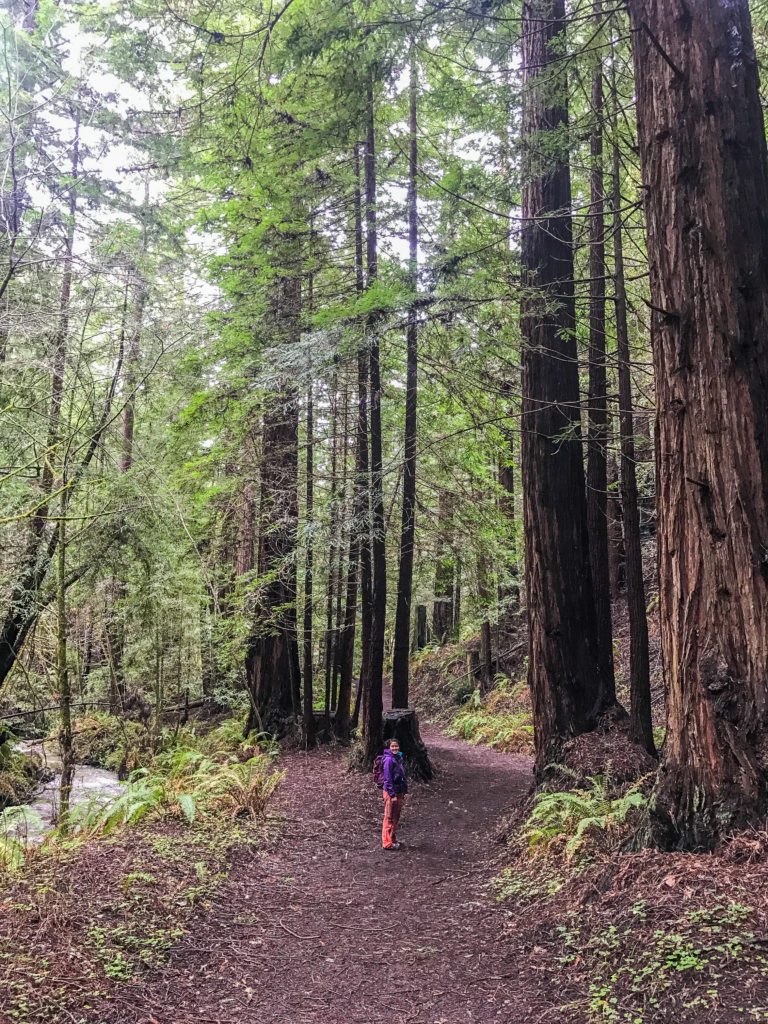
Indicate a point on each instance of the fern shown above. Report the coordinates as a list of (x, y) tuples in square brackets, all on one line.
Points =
[(15, 824), (183, 783), (573, 813)]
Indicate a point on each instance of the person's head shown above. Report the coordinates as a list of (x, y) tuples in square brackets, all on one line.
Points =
[(393, 746)]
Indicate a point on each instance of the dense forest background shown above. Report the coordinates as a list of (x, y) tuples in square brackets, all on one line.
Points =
[(220, 231), (384, 368), (326, 338)]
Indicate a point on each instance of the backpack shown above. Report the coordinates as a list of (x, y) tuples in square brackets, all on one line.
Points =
[(378, 771)]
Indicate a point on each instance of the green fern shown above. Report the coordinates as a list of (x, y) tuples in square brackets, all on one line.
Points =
[(573, 813), (15, 824), (182, 783)]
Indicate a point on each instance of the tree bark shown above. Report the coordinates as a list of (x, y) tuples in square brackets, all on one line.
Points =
[(597, 433), (570, 682), (400, 662), (372, 697), (640, 723), (421, 634), (443, 608), (333, 549), (63, 679), (309, 514), (272, 663), (705, 172), (359, 549)]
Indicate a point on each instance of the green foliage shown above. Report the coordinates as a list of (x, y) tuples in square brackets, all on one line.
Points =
[(566, 818), (229, 738), (487, 722), (111, 741), (182, 783), (19, 775), (689, 953), (14, 823)]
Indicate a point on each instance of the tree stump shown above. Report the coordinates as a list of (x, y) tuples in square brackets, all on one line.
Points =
[(402, 724)]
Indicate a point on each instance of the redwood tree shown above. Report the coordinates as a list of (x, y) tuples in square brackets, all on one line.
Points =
[(570, 681), (372, 698), (272, 660), (640, 720), (597, 436), (402, 651), (705, 172)]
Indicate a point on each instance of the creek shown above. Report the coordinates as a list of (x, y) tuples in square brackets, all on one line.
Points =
[(89, 785)]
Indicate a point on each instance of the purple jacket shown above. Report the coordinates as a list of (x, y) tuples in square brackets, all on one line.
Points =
[(395, 782)]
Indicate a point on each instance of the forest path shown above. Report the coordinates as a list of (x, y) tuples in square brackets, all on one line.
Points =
[(327, 928)]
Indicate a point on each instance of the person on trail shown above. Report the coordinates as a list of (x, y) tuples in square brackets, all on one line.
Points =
[(394, 791)]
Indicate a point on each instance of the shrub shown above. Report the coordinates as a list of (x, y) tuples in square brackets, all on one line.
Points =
[(14, 824), (20, 774), (229, 738), (565, 818), (183, 783), (109, 741), (494, 724)]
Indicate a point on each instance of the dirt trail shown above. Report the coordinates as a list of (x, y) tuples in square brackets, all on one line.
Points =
[(327, 928)]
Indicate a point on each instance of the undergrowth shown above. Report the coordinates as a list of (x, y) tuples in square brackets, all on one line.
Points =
[(185, 777), (184, 784), (20, 772), (637, 937), (567, 820), (497, 721)]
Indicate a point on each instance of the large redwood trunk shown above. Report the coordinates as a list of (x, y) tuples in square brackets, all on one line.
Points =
[(272, 660), (569, 680), (402, 651), (640, 719), (372, 697), (359, 575), (597, 435), (705, 170)]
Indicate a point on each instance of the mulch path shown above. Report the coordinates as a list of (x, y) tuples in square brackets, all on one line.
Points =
[(324, 927)]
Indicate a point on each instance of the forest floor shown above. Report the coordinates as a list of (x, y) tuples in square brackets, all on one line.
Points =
[(306, 920), (328, 927)]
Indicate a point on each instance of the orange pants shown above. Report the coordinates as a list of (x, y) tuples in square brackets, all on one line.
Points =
[(393, 806)]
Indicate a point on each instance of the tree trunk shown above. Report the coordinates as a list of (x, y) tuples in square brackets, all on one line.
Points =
[(372, 697), (308, 716), (486, 640), (443, 618), (597, 434), (640, 723), (421, 634), (403, 725), (272, 662), (400, 662), (333, 551), (359, 550), (509, 593), (705, 171), (342, 551), (62, 670), (570, 684), (616, 554)]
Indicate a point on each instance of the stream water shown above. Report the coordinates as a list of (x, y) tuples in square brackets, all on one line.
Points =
[(88, 786)]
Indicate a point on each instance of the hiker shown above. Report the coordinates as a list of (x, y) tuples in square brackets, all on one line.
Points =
[(394, 788)]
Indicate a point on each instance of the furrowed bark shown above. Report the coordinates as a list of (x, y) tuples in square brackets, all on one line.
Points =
[(272, 660), (570, 683), (705, 174), (400, 663), (597, 404)]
